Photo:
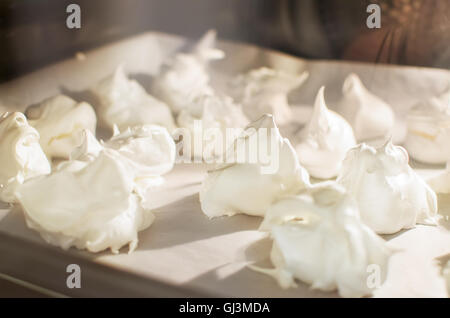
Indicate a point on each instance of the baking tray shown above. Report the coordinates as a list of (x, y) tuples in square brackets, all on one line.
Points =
[(184, 253)]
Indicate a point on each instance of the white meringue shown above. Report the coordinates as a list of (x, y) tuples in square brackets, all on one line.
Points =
[(369, 115), (125, 103), (324, 141), (264, 91), (245, 187), (89, 148), (212, 112), (94, 201), (320, 240), (89, 205), (390, 195), (441, 182), (185, 77), (21, 156), (60, 121), (429, 130), (147, 151)]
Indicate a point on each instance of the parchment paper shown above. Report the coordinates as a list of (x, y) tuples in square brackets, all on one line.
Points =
[(183, 247)]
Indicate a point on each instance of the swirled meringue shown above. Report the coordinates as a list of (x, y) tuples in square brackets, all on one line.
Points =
[(369, 115), (264, 91), (251, 185), (60, 121), (21, 156), (87, 204), (390, 195), (207, 118), (429, 130), (324, 141), (318, 238), (185, 76), (125, 103)]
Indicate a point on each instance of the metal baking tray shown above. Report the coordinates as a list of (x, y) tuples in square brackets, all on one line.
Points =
[(184, 254)]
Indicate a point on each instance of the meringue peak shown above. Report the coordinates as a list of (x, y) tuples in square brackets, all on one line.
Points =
[(4, 115), (21, 155), (251, 187), (369, 115), (205, 48), (353, 86), (119, 77), (428, 130), (320, 118), (324, 141), (89, 148), (265, 121)]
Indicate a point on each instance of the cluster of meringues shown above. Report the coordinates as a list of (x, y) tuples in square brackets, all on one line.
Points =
[(78, 191)]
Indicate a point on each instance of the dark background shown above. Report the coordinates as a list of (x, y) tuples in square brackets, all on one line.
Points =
[(33, 33)]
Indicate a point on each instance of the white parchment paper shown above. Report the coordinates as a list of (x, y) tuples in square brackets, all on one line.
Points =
[(183, 247)]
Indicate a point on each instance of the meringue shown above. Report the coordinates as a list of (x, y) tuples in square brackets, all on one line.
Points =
[(441, 182), (264, 91), (390, 195), (429, 130), (318, 238), (369, 115), (324, 141), (186, 77), (21, 156), (95, 200), (147, 152), (60, 121), (87, 204), (125, 103), (212, 112), (245, 186)]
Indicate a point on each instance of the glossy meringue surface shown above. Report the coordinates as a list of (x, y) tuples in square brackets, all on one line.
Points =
[(429, 130), (265, 91), (185, 77), (319, 239), (21, 155), (124, 103), (390, 195), (245, 187), (324, 141), (60, 121), (368, 114)]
